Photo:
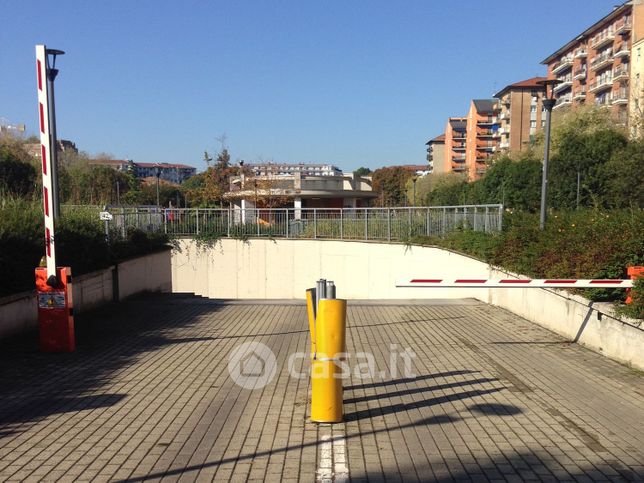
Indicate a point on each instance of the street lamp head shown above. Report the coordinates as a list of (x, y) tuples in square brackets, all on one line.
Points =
[(54, 53), (549, 87)]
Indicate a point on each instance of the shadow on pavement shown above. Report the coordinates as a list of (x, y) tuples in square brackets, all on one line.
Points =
[(34, 385)]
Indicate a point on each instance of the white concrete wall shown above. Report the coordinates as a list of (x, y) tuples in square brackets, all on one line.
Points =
[(150, 273), (283, 269)]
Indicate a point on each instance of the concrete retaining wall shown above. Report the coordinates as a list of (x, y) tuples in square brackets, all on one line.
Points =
[(283, 269), (150, 273)]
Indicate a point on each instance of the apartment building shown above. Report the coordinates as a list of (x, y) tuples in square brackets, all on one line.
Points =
[(595, 68), (288, 169), (482, 136), (173, 173), (521, 113), (436, 154), (455, 145)]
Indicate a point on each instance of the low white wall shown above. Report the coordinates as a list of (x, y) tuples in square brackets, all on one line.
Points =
[(150, 273), (283, 269)]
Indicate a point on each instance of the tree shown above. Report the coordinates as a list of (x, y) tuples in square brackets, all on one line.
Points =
[(390, 183), (18, 176), (625, 177), (362, 171)]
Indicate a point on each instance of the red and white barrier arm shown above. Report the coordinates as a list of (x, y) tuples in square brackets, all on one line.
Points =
[(514, 283), (45, 151)]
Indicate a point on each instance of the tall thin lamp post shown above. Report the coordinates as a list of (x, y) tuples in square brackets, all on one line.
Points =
[(158, 176), (548, 102), (52, 72), (414, 179)]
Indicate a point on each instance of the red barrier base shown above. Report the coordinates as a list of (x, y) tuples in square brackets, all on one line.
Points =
[(55, 311)]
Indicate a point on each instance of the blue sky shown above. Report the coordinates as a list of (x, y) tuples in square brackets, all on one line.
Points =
[(354, 83)]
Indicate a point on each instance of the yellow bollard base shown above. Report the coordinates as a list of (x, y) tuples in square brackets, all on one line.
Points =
[(326, 392)]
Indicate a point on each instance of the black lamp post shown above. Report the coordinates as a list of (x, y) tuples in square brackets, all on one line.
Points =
[(414, 179), (52, 72), (158, 176), (548, 102)]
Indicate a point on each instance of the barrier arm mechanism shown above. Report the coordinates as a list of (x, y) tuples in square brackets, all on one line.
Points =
[(53, 284), (47, 168)]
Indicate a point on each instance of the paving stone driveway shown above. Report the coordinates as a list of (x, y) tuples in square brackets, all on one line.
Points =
[(148, 396)]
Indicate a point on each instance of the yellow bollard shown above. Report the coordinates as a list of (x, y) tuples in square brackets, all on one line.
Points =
[(330, 342), (326, 392), (330, 330), (310, 310)]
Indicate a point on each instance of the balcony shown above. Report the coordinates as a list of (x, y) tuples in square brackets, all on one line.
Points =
[(480, 170), (620, 96), (504, 145), (604, 38), (566, 83), (487, 147), (580, 54), (487, 121), (623, 26), (563, 102), (622, 50), (504, 130), (487, 133), (579, 95), (603, 101), (458, 167), (621, 72), (563, 65), (460, 158), (458, 147), (504, 115), (600, 84), (602, 61), (459, 136), (580, 73)]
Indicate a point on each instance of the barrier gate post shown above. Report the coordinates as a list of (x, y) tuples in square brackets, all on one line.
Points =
[(53, 284)]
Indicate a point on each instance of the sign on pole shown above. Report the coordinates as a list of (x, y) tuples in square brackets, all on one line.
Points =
[(45, 152)]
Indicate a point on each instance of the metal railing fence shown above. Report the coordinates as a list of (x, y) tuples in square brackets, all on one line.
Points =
[(331, 223)]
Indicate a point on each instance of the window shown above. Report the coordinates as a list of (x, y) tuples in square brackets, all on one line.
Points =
[(533, 124), (533, 109)]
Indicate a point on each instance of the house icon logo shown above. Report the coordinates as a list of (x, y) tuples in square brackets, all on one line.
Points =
[(252, 365)]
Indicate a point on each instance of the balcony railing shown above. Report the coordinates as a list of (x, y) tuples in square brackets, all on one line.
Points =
[(563, 101), (580, 73), (487, 120), (459, 158), (566, 83), (603, 101), (623, 25), (487, 133), (458, 147), (602, 61), (601, 83), (580, 53), (458, 167), (622, 50), (563, 64), (621, 72), (620, 96), (603, 38), (579, 94), (459, 135)]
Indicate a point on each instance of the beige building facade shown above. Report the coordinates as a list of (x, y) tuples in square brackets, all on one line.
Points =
[(436, 155), (521, 114)]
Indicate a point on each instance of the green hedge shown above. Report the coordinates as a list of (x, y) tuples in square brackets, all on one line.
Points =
[(80, 243), (575, 244)]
